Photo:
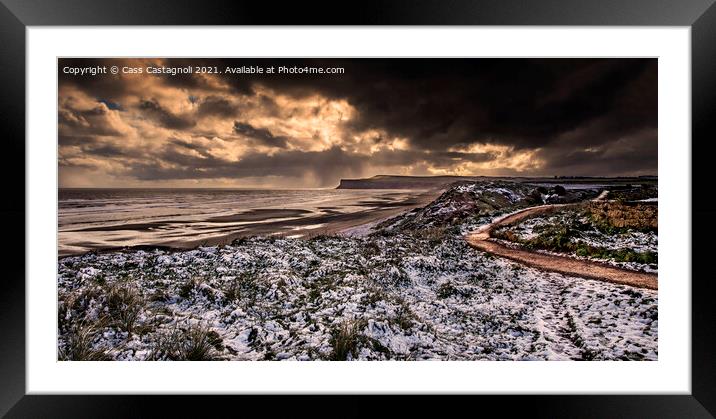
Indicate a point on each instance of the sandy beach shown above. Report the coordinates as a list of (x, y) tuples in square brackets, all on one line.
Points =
[(187, 219)]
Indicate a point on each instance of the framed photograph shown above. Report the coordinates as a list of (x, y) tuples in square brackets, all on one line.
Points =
[(319, 204)]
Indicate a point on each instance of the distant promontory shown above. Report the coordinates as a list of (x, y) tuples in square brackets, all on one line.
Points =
[(400, 182), (440, 182)]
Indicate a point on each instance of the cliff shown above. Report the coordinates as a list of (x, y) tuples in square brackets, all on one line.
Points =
[(400, 182)]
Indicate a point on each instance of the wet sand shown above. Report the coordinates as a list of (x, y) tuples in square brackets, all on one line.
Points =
[(328, 223), (186, 233)]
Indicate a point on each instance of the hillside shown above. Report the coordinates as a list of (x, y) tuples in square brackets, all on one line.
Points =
[(412, 290)]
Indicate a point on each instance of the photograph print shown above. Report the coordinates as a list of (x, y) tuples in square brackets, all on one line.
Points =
[(256, 209)]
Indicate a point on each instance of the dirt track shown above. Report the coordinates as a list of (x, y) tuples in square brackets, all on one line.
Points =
[(480, 239)]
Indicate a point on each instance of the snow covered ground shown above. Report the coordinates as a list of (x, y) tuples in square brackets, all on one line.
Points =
[(583, 231), (407, 295)]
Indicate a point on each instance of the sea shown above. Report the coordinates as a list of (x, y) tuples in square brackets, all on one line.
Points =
[(100, 219)]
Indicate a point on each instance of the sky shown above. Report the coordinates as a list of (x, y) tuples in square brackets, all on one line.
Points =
[(493, 117)]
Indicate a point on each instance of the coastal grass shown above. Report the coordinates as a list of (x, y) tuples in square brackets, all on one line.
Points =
[(193, 343), (345, 340), (124, 305), (564, 238), (79, 345)]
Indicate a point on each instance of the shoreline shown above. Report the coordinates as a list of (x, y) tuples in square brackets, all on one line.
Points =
[(272, 223)]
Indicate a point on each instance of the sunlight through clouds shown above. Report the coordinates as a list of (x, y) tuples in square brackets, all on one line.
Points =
[(380, 117)]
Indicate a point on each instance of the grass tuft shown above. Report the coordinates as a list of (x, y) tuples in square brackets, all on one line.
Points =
[(125, 305), (78, 345), (345, 340), (195, 343)]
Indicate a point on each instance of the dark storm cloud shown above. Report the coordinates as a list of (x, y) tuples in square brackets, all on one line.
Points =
[(439, 102), (437, 158), (184, 145), (153, 110), (92, 146), (324, 166), (632, 155), (217, 106), (71, 140), (107, 150), (91, 122), (193, 161), (521, 102), (260, 135), (578, 116), (268, 105)]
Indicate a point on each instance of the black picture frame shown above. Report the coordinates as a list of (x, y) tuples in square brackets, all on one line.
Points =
[(16, 15)]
